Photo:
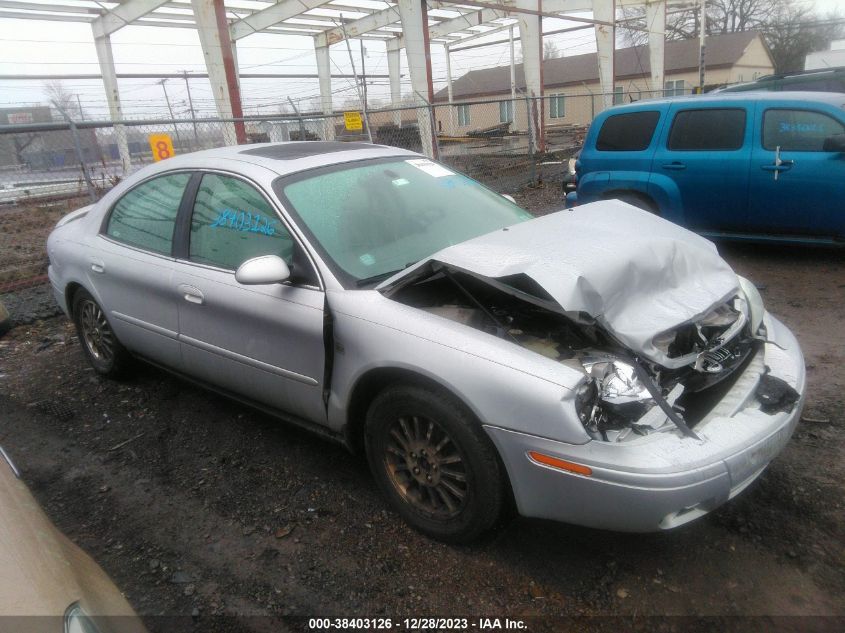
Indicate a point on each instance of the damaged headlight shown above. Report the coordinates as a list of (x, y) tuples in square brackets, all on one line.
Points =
[(613, 398)]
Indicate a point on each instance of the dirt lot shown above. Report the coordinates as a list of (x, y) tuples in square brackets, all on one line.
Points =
[(197, 505)]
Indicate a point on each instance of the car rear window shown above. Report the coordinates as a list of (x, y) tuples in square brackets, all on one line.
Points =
[(146, 215), (629, 132), (714, 129)]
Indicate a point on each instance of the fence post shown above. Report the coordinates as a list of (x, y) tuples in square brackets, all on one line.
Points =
[(433, 122), (531, 132), (92, 192)]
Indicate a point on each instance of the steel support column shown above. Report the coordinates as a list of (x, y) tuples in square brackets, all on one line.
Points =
[(531, 37), (213, 30), (414, 15), (605, 10), (106, 59), (655, 20), (324, 72)]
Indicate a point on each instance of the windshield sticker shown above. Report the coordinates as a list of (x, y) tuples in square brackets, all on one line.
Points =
[(367, 259), (399, 182), (244, 221), (429, 167)]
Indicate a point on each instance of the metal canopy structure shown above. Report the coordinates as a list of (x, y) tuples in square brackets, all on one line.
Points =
[(412, 25)]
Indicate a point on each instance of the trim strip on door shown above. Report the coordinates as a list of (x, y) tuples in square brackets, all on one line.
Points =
[(246, 360), (146, 325)]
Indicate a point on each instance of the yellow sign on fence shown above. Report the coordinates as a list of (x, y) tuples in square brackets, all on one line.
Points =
[(353, 121), (162, 146)]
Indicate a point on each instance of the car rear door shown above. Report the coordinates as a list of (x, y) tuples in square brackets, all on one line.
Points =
[(131, 265), (263, 342), (703, 159), (796, 187)]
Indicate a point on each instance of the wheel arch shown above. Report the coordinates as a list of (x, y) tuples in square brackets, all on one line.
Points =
[(70, 292), (374, 381), (633, 193)]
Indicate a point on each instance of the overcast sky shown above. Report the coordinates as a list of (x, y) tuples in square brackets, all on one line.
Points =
[(38, 47)]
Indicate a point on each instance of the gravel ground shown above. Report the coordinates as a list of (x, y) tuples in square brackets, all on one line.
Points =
[(197, 505)]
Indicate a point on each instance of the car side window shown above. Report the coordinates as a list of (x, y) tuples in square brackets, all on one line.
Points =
[(713, 129), (146, 215), (630, 132), (232, 222), (798, 130)]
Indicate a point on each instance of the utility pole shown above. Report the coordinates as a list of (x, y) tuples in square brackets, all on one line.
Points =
[(702, 45), (364, 72), (191, 106), (169, 109)]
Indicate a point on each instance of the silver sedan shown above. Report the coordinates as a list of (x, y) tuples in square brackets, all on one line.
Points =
[(598, 366)]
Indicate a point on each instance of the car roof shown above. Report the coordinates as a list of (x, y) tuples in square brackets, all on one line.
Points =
[(289, 157), (830, 98)]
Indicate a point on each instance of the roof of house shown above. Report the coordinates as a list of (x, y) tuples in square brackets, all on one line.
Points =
[(722, 50)]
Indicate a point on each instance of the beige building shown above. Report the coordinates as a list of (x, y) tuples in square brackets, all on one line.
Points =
[(572, 90)]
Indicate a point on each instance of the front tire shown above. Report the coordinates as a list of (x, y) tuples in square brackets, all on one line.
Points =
[(434, 463), (99, 343)]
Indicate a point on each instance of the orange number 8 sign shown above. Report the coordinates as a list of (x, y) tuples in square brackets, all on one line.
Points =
[(162, 146)]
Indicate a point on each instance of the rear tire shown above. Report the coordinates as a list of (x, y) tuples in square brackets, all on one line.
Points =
[(435, 464), (99, 343)]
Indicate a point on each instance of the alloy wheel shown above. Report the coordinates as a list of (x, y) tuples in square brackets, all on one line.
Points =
[(426, 467)]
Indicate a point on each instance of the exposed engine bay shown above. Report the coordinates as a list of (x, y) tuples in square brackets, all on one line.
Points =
[(622, 396)]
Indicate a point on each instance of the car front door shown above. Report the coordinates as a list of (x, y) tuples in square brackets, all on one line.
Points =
[(796, 186), (264, 342), (131, 266), (705, 156)]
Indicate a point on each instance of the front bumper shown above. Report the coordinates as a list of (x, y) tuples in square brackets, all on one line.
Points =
[(662, 480)]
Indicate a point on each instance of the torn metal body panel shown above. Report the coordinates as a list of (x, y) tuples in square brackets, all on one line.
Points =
[(637, 275)]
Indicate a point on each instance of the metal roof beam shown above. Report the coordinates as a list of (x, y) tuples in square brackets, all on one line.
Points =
[(50, 17), (124, 14), (372, 22), (271, 16)]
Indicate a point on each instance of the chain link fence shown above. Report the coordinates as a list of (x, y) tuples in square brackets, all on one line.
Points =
[(52, 167)]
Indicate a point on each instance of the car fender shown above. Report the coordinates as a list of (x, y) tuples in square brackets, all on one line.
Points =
[(665, 193), (502, 384), (595, 186)]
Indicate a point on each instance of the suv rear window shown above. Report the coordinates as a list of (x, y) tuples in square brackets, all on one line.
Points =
[(711, 129), (630, 132)]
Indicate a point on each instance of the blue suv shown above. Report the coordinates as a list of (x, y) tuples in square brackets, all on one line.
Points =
[(765, 166)]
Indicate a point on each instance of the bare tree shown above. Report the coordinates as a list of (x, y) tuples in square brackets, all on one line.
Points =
[(791, 29), (550, 50), (56, 92)]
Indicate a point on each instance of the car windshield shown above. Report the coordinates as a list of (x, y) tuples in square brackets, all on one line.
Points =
[(373, 218)]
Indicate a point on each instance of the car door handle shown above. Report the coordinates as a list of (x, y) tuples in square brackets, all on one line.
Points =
[(784, 166), (98, 266), (675, 166), (191, 294)]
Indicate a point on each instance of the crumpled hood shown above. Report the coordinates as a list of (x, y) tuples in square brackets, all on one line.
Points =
[(635, 273)]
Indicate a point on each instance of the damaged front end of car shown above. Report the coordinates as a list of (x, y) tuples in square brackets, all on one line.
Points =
[(659, 336)]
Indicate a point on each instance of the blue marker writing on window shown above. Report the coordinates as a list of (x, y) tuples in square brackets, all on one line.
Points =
[(244, 221)]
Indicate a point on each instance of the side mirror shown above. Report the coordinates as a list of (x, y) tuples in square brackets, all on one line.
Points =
[(267, 269), (508, 197), (835, 143)]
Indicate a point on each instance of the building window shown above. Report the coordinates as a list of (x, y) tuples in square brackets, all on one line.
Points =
[(505, 111), (463, 115), (674, 88), (618, 95), (557, 107)]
